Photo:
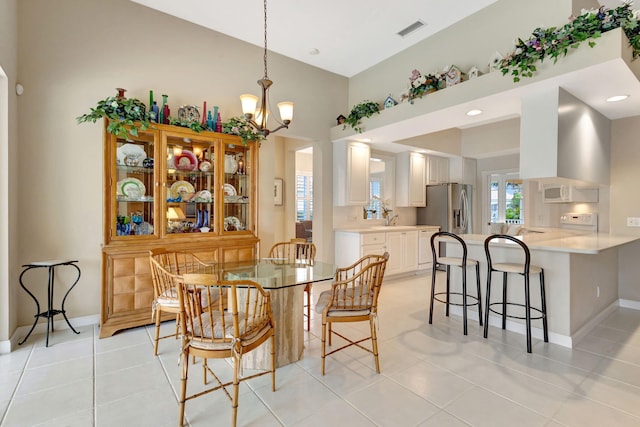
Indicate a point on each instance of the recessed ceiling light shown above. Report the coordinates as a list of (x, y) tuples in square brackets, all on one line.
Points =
[(617, 98), (474, 112), (314, 51)]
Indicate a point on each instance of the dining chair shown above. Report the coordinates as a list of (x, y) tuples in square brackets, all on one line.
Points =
[(353, 297), (164, 264), (211, 332), (297, 250)]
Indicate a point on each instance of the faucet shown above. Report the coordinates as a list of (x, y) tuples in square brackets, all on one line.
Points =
[(391, 219)]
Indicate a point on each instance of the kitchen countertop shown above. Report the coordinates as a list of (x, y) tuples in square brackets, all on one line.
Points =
[(561, 241), (385, 228)]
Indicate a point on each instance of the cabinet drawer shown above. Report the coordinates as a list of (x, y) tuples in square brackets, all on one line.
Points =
[(372, 238)]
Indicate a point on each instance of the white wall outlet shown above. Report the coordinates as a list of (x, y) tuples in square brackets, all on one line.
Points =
[(633, 221)]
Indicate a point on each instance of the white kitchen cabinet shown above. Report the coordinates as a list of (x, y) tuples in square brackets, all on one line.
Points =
[(403, 252), (402, 246), (437, 170), (462, 170), (411, 180), (351, 173), (425, 256)]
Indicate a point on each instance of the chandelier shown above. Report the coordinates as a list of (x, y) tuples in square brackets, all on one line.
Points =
[(258, 117)]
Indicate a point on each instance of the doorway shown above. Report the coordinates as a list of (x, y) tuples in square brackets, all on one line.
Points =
[(304, 193)]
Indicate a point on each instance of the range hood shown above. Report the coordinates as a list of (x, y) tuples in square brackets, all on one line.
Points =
[(562, 139)]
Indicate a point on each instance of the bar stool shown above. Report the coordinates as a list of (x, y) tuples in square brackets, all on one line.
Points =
[(524, 269), (463, 263)]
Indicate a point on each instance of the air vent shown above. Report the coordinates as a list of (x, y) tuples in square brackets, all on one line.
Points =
[(411, 28)]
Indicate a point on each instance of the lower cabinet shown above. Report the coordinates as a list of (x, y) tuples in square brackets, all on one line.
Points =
[(402, 247), (403, 252)]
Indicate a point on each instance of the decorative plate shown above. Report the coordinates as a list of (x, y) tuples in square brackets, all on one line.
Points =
[(130, 188), (181, 187), (188, 113), (231, 223), (187, 161), (205, 166), (229, 190), (230, 163), (128, 154), (204, 196)]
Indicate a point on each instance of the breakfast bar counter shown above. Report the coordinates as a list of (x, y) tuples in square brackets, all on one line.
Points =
[(581, 277)]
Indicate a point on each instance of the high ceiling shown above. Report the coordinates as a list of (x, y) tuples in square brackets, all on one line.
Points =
[(348, 36)]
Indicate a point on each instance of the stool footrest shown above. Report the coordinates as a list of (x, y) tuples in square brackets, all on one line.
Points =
[(474, 298), (514, 316)]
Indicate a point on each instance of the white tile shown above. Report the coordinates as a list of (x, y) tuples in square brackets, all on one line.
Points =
[(128, 338), (584, 412), (611, 392), (125, 382), (620, 371), (435, 384), (61, 352), (335, 413), (56, 375), (442, 419), (78, 419), (390, 404), (482, 408), (124, 357), (42, 406), (148, 409)]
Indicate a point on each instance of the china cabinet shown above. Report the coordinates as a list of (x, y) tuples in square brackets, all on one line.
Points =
[(174, 188)]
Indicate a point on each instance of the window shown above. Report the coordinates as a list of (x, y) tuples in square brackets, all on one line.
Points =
[(506, 198), (304, 196), (376, 187)]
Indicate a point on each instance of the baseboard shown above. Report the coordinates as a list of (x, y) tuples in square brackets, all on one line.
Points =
[(627, 303), (9, 345), (564, 340)]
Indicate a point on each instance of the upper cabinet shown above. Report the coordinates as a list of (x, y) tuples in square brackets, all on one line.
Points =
[(462, 170), (437, 170), (410, 180), (351, 173)]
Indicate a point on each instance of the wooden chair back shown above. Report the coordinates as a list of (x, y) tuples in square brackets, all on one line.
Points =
[(357, 286), (295, 250)]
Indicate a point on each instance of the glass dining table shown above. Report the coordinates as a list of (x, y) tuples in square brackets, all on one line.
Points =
[(285, 282)]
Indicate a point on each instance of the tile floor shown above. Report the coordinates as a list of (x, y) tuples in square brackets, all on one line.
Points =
[(431, 376)]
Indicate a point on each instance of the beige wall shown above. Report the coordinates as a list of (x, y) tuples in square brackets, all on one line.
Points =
[(74, 53), (9, 263), (471, 42)]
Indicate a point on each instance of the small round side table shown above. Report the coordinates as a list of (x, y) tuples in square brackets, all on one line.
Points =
[(50, 312)]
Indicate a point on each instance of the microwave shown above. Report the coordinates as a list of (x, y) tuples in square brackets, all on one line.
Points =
[(564, 193)]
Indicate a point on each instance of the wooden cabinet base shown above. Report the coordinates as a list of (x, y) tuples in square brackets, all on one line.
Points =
[(127, 288)]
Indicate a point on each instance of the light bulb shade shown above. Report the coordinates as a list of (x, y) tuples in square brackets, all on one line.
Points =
[(286, 111), (248, 103)]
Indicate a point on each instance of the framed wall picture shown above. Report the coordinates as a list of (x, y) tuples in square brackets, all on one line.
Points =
[(278, 188)]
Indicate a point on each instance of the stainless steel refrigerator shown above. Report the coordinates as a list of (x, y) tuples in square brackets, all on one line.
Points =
[(449, 207)]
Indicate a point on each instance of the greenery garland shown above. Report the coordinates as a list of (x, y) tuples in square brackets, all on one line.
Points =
[(554, 42), (126, 116), (240, 126), (360, 111)]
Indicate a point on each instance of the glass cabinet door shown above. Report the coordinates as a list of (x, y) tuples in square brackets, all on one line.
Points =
[(237, 188), (134, 187), (190, 185)]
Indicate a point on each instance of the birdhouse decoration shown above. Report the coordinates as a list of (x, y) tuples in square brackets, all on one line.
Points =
[(341, 119), (389, 102), (495, 62), (473, 73), (454, 75)]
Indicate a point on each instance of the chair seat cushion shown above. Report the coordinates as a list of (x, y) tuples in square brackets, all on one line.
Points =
[(445, 260), (325, 297), (512, 267), (202, 336)]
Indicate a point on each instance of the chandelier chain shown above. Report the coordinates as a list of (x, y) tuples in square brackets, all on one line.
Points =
[(265, 40)]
